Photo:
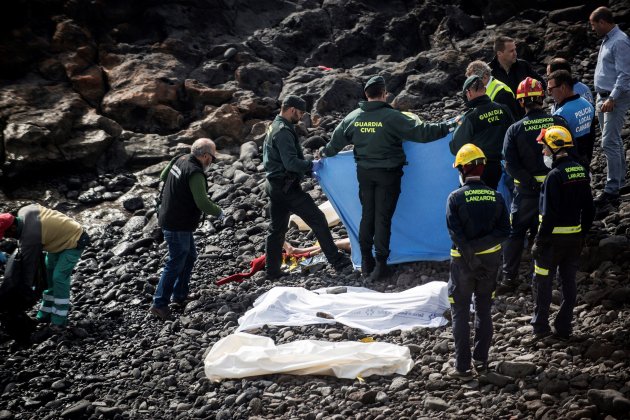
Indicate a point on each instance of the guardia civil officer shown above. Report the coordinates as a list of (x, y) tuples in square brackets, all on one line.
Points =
[(285, 165), (477, 221), (524, 162), (567, 211), (496, 90), (484, 125), (377, 132)]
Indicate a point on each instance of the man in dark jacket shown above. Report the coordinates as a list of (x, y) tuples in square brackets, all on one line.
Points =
[(507, 67), (184, 200), (524, 162), (484, 125), (567, 211), (477, 221), (496, 90), (285, 165), (377, 132)]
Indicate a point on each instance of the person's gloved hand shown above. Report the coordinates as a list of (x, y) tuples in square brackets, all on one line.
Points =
[(317, 165), (3, 258)]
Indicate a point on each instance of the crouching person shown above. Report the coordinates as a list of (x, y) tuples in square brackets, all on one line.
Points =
[(63, 239), (477, 221), (567, 212)]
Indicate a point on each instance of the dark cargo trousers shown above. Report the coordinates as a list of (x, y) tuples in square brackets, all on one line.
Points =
[(379, 190), (562, 254), (462, 285), (523, 217), (296, 201)]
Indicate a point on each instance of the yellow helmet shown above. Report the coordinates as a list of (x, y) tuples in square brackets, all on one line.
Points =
[(555, 137), (468, 154)]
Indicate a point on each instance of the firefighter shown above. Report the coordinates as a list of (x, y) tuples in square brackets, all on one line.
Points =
[(566, 211), (477, 221), (524, 162)]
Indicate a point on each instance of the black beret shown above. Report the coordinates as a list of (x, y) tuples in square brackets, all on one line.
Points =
[(376, 80), (295, 102)]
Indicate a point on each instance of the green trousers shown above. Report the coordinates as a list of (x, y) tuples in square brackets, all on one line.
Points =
[(56, 298)]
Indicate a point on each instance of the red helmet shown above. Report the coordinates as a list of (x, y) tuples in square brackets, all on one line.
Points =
[(528, 88)]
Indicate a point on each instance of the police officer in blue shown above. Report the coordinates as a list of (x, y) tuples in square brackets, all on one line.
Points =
[(524, 162), (567, 211), (578, 113), (477, 221)]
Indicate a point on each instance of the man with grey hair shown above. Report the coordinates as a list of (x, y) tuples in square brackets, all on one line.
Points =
[(184, 199), (496, 90)]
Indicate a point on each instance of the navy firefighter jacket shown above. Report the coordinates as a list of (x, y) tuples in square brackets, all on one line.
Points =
[(476, 217), (566, 200)]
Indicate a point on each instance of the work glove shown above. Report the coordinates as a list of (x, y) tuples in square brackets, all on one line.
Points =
[(3, 258)]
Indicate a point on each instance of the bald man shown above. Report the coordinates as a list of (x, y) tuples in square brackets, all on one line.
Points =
[(184, 199)]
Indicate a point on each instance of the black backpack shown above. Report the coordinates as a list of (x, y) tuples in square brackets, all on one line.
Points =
[(19, 294)]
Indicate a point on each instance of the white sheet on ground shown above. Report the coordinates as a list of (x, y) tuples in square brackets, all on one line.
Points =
[(371, 312), (329, 211), (241, 355)]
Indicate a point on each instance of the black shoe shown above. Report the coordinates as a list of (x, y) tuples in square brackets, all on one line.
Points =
[(272, 275), (380, 270), (341, 264), (480, 367), (163, 313), (507, 286), (605, 198), (367, 263)]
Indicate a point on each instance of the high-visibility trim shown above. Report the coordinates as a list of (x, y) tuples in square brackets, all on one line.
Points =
[(541, 271), (62, 301), (456, 253), (567, 229), (60, 312), (50, 298), (495, 86), (45, 308), (451, 300), (538, 178), (493, 295)]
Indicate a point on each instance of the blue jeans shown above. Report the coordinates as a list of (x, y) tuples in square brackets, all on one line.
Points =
[(611, 124), (182, 255)]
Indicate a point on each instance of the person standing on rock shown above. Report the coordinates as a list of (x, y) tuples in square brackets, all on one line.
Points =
[(477, 222), (567, 211), (184, 200), (612, 85), (38, 229), (484, 125), (507, 67), (285, 165), (524, 162), (377, 132), (496, 90), (577, 112)]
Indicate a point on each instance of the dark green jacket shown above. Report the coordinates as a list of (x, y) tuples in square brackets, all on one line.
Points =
[(483, 125), (282, 154), (378, 131)]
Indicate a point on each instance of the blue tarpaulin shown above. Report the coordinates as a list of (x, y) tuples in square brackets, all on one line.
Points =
[(419, 225)]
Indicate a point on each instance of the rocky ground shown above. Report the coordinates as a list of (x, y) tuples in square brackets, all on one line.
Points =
[(92, 90)]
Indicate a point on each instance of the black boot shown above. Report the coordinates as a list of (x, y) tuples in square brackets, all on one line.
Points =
[(367, 263), (380, 269)]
